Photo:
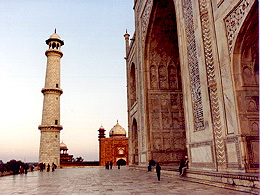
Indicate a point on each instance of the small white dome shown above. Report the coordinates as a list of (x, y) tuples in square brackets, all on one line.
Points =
[(117, 130), (55, 36)]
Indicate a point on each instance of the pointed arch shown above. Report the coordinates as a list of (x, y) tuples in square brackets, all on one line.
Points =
[(153, 77), (162, 71), (164, 96), (172, 77), (246, 78), (132, 84), (135, 142)]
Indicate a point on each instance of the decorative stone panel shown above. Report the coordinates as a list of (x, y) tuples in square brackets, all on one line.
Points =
[(233, 22), (212, 83), (193, 66)]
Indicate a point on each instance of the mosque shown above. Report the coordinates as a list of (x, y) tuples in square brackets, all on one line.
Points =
[(114, 148)]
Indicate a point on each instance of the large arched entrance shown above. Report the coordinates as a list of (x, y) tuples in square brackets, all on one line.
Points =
[(135, 157), (165, 118), (121, 162), (246, 77)]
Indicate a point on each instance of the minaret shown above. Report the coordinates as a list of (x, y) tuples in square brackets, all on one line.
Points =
[(50, 127), (101, 148), (126, 43), (101, 132)]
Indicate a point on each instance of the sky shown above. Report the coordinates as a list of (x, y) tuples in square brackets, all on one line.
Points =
[(93, 72)]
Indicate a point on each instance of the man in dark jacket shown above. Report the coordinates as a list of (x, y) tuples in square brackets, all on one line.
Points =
[(158, 171)]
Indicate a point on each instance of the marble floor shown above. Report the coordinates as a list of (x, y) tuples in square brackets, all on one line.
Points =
[(97, 180)]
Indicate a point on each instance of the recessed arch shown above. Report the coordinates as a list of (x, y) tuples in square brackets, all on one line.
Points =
[(172, 77), (135, 157), (132, 84), (246, 79), (162, 77), (163, 91)]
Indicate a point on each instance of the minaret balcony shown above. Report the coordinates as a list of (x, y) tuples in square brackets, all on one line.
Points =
[(53, 51), (55, 91), (50, 127)]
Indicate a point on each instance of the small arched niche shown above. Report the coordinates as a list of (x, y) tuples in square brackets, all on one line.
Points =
[(132, 85), (135, 142)]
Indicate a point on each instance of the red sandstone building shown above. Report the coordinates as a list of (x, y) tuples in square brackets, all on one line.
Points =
[(115, 148)]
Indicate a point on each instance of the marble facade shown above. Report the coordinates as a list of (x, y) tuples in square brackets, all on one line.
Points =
[(192, 78)]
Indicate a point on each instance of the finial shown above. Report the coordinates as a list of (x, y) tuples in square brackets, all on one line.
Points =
[(126, 31), (55, 30), (117, 121)]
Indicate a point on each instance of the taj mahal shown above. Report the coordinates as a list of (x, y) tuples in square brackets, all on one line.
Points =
[(193, 86)]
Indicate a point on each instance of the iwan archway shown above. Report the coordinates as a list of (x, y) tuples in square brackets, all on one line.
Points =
[(165, 126), (246, 77)]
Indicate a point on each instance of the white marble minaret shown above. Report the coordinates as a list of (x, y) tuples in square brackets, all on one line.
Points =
[(50, 127)]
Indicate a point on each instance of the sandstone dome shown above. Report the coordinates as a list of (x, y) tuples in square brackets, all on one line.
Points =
[(63, 146), (117, 130)]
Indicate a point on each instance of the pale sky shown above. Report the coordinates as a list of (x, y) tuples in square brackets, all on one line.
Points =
[(93, 72)]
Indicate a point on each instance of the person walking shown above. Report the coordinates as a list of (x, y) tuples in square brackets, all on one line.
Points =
[(48, 167), (26, 167), (158, 171), (53, 167), (41, 167), (182, 164), (111, 164), (107, 165)]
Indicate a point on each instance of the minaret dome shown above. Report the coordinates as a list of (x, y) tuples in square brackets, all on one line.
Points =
[(54, 41)]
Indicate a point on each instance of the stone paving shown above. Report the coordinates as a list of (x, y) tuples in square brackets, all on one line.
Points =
[(97, 180)]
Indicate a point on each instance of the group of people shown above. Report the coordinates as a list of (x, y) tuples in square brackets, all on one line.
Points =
[(23, 169), (158, 168), (110, 164), (43, 166), (184, 164), (20, 169)]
